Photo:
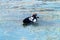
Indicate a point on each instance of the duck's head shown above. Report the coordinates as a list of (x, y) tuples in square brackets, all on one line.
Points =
[(34, 14)]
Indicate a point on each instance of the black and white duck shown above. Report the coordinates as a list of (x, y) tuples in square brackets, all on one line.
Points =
[(31, 19)]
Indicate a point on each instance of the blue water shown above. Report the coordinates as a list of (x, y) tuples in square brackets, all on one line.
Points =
[(12, 14)]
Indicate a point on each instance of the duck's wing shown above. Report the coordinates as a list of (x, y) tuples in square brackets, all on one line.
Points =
[(31, 18)]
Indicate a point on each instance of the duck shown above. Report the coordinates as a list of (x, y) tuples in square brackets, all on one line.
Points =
[(31, 19)]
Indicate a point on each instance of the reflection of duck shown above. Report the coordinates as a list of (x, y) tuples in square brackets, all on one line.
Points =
[(31, 19)]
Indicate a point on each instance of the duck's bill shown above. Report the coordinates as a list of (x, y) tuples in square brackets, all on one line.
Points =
[(37, 17)]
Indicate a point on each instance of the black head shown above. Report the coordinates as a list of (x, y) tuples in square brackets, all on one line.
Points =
[(34, 15)]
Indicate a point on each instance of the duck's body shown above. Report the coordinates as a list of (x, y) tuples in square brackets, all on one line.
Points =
[(29, 20), (26, 21)]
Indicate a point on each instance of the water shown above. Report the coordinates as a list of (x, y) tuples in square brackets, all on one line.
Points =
[(12, 13)]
